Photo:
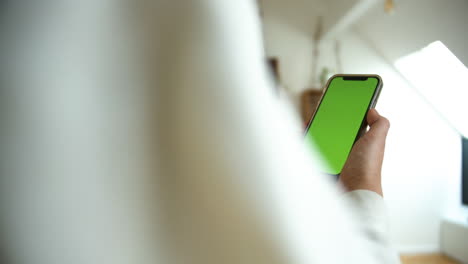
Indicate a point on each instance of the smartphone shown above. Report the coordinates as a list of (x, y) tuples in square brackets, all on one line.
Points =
[(341, 116)]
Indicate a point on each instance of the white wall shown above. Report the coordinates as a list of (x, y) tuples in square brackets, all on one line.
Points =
[(414, 25), (293, 48)]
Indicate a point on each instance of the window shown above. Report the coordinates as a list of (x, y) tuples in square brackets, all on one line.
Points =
[(442, 79)]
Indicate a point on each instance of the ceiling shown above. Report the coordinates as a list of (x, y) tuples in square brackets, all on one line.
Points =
[(415, 24), (303, 15)]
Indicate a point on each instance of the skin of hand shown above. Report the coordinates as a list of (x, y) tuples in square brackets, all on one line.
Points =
[(362, 170)]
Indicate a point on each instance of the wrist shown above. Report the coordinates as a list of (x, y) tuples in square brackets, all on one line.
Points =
[(361, 184)]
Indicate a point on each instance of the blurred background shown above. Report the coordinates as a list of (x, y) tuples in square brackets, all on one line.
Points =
[(73, 128), (419, 49)]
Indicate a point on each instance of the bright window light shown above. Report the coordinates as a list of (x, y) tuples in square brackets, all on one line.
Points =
[(442, 79)]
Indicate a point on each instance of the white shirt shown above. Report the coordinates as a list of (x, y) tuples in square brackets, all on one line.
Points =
[(155, 137)]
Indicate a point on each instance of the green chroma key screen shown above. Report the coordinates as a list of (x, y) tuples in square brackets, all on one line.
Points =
[(338, 119)]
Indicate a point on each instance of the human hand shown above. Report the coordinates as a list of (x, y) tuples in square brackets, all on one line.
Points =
[(362, 170)]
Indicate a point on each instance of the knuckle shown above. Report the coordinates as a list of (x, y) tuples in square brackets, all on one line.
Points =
[(385, 122)]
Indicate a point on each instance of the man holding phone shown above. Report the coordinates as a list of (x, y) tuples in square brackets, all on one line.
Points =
[(185, 157)]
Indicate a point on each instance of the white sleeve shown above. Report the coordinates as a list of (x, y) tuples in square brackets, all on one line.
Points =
[(371, 214)]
